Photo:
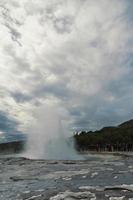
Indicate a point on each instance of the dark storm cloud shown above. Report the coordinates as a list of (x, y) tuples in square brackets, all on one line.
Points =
[(9, 129), (7, 124), (100, 110)]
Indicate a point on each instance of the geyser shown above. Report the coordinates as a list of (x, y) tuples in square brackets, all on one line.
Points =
[(47, 138)]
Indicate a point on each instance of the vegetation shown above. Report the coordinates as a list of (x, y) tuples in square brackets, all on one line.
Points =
[(12, 147), (119, 138)]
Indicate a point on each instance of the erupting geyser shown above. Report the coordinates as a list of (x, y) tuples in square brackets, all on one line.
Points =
[(46, 138)]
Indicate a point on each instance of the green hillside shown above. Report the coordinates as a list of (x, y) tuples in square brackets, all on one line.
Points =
[(108, 138)]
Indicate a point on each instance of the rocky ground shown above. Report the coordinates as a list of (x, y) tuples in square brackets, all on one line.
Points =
[(101, 177)]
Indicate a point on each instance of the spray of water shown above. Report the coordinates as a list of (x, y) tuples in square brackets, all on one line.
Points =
[(47, 138)]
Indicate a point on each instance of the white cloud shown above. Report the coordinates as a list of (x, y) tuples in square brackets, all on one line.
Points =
[(70, 53)]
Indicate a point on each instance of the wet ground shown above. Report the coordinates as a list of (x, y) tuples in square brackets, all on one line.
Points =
[(104, 177)]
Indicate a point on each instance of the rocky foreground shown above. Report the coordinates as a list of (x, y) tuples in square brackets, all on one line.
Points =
[(96, 178)]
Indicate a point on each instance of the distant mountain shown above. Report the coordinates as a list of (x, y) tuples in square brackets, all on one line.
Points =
[(12, 143), (11, 147)]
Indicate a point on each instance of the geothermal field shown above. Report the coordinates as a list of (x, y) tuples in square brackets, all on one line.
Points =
[(95, 178)]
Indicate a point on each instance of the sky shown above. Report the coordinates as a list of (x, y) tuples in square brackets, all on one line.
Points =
[(76, 55)]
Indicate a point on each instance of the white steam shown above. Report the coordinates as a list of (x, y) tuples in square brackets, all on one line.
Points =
[(47, 139)]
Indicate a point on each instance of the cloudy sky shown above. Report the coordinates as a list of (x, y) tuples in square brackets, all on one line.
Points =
[(74, 54)]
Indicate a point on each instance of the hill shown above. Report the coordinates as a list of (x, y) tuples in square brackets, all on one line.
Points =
[(11, 147), (108, 138), (128, 124)]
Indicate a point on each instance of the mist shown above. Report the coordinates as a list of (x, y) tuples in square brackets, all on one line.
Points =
[(48, 138)]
